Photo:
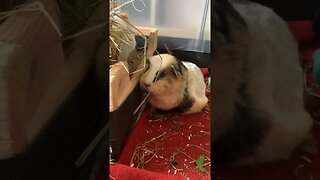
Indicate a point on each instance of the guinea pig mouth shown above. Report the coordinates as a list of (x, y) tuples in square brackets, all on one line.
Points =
[(145, 86), (147, 89)]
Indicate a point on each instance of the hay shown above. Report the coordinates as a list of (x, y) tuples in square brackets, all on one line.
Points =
[(121, 34), (150, 150), (144, 153)]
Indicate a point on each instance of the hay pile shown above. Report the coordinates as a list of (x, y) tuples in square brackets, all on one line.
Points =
[(122, 43)]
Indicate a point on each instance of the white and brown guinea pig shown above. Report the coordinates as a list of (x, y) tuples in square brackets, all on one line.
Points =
[(258, 111), (174, 85)]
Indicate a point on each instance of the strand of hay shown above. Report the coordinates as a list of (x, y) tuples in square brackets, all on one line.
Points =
[(142, 151)]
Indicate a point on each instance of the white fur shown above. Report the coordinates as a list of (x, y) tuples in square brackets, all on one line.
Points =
[(196, 88), (157, 63), (172, 98), (275, 82)]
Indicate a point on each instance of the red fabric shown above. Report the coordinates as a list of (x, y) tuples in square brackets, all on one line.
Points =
[(205, 71), (124, 172), (302, 30), (187, 133)]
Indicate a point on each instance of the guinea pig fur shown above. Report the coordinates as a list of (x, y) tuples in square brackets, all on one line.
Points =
[(174, 85), (258, 109)]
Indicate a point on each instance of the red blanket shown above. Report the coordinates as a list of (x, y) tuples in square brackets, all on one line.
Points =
[(167, 147)]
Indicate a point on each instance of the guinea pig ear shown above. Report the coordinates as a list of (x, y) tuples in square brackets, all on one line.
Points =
[(178, 68), (175, 71)]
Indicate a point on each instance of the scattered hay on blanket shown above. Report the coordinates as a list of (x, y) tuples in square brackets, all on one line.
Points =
[(179, 161), (145, 152)]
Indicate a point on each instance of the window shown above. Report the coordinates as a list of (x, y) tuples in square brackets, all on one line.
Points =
[(182, 24)]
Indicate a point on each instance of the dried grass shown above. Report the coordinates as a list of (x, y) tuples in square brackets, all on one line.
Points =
[(141, 154), (145, 152), (120, 32)]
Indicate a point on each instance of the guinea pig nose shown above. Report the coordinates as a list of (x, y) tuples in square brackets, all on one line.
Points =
[(146, 85)]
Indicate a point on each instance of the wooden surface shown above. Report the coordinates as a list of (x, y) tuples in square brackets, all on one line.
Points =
[(152, 34), (120, 84)]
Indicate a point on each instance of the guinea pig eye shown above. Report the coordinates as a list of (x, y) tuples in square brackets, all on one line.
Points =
[(147, 65), (161, 75)]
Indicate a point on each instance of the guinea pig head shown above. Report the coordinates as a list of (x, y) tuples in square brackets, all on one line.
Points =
[(164, 75)]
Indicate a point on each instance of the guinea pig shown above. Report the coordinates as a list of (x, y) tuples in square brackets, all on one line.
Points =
[(258, 109), (174, 85)]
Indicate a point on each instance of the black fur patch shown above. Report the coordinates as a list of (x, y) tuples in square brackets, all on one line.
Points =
[(147, 65), (175, 70), (159, 75), (186, 104), (242, 137), (180, 66)]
